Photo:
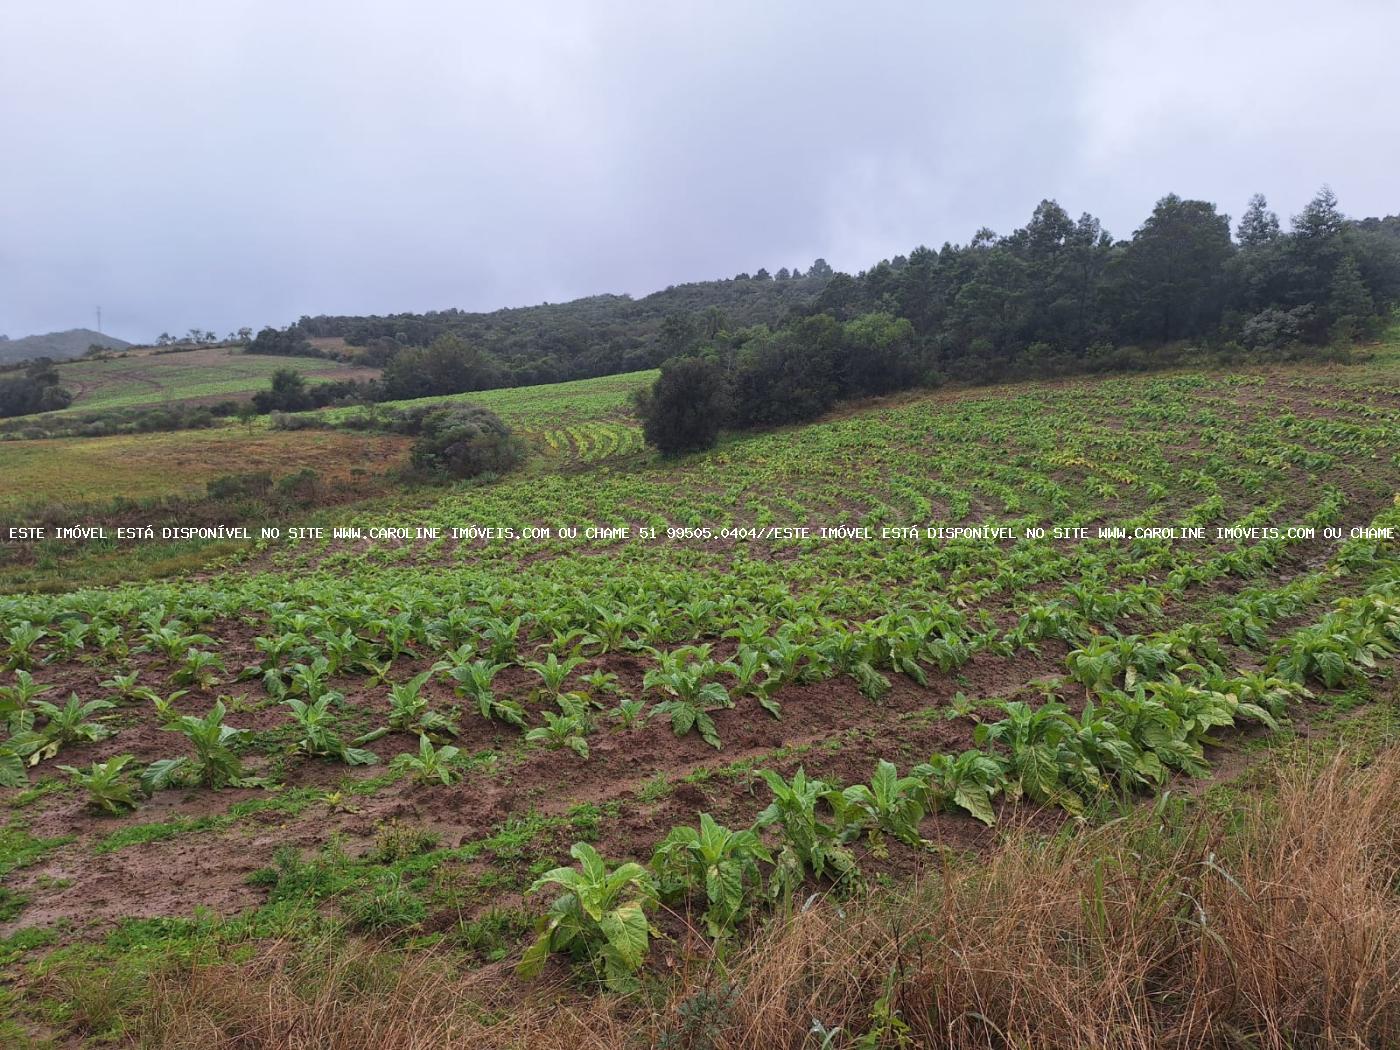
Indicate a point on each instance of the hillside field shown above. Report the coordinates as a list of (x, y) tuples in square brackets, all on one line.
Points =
[(566, 424), (91, 471), (143, 378), (607, 691)]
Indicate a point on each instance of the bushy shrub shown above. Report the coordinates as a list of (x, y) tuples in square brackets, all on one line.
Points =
[(286, 394), (303, 487), (686, 408), (239, 486), (1275, 329), (448, 366), (288, 342), (465, 441)]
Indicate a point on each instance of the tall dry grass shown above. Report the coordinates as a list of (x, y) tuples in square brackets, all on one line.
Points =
[(1276, 926)]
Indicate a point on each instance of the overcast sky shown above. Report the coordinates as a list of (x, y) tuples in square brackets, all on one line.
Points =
[(219, 164)]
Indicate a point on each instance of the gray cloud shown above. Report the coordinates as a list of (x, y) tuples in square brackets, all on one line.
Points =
[(231, 163)]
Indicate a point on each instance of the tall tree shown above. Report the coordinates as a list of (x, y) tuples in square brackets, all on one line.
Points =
[(1259, 226), (684, 410), (1170, 273), (677, 335), (1318, 245), (1321, 219), (1351, 310)]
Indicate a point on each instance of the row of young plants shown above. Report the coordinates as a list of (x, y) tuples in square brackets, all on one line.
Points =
[(960, 573), (358, 637), (1138, 725), (833, 605), (1061, 452), (687, 679)]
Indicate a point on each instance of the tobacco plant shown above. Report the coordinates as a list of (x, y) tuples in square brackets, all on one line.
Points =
[(104, 783), (440, 764), (601, 918), (214, 765), (722, 864)]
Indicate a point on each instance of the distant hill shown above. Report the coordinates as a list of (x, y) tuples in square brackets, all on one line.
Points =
[(61, 346), (598, 335)]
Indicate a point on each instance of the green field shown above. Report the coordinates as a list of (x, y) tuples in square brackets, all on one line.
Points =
[(433, 724), (566, 424), (142, 378), (585, 420)]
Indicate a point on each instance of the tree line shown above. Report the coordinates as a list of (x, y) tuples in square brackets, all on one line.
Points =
[(1056, 296), (555, 342)]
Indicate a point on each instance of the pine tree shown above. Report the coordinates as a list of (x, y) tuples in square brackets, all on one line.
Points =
[(1259, 226), (1350, 307)]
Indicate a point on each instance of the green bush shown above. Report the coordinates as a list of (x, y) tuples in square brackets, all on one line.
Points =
[(240, 486), (686, 407), (465, 441)]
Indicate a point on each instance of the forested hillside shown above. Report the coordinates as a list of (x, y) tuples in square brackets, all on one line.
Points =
[(598, 335), (1057, 296)]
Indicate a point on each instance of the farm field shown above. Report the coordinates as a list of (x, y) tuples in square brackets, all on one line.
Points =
[(143, 466), (566, 424), (582, 421), (357, 743), (141, 379)]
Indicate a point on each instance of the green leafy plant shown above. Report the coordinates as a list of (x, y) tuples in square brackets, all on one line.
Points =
[(1330, 653), (723, 864), (1099, 749), (104, 783), (968, 782), (561, 731), (1033, 738), (692, 697), (601, 917), (475, 679), (1163, 738), (70, 639), (165, 705), (69, 724), (600, 682), (502, 637), (747, 666), (310, 681), (127, 690), (811, 845), (409, 710), (21, 640), (171, 641), (441, 764), (890, 804), (12, 768), (553, 671), (199, 669), (214, 765), (17, 701), (628, 712), (610, 631), (318, 736)]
